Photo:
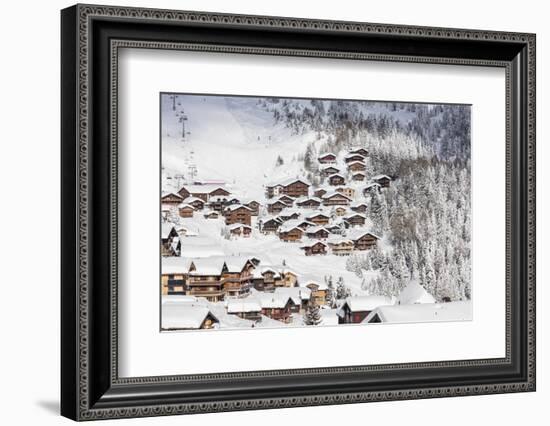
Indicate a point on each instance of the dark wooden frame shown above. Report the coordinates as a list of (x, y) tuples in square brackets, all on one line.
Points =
[(90, 386)]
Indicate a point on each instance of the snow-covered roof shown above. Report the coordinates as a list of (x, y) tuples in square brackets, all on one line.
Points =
[(192, 199), (377, 177), (327, 154), (414, 293), (182, 299), (293, 223), (356, 162), (366, 303), (289, 211), (335, 239), (314, 229), (317, 213), (234, 207), (288, 181), (330, 166), (247, 304), (336, 175), (352, 215), (358, 173), (178, 316), (203, 188), (297, 294), (304, 199), (353, 154), (185, 206), (175, 265), (355, 234), (306, 280), (236, 226), (334, 193), (359, 203), (174, 194), (425, 312), (313, 243), (208, 266), (272, 300)]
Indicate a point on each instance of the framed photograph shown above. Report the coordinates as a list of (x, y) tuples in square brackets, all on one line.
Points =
[(263, 212)]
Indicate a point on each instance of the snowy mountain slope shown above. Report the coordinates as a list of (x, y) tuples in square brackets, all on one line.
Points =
[(225, 134)]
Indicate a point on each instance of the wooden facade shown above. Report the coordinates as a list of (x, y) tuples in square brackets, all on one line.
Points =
[(336, 180), (254, 207), (239, 230), (276, 207), (330, 170), (294, 234), (320, 192), (317, 248), (271, 225), (238, 214), (319, 219), (365, 241), (328, 158), (354, 157), (186, 210), (355, 220), (359, 208), (317, 234), (197, 203), (296, 189), (171, 199), (356, 166), (174, 283), (358, 177), (360, 151), (309, 203), (342, 247), (347, 191), (336, 199), (383, 181)]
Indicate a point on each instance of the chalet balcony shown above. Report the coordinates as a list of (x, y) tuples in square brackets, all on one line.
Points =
[(205, 293)]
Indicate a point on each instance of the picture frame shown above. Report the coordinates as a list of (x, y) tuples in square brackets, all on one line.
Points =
[(90, 384)]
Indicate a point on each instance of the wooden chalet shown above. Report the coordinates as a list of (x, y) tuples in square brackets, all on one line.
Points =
[(170, 244), (341, 246), (336, 199), (238, 213), (171, 199), (254, 207), (355, 219), (299, 295), (291, 233), (356, 166), (383, 180), (276, 207), (350, 158), (292, 187), (271, 225), (316, 248), (266, 279), (336, 180), (248, 308), (347, 191), (318, 290), (355, 309), (320, 192), (189, 316), (371, 188), (334, 229), (197, 203), (358, 176), (240, 230), (203, 191), (329, 170), (359, 151), (204, 279), (340, 211), (308, 202), (289, 214), (319, 218), (236, 276), (317, 232), (277, 306), (328, 158), (289, 201), (173, 276), (359, 207), (363, 240), (186, 210)]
